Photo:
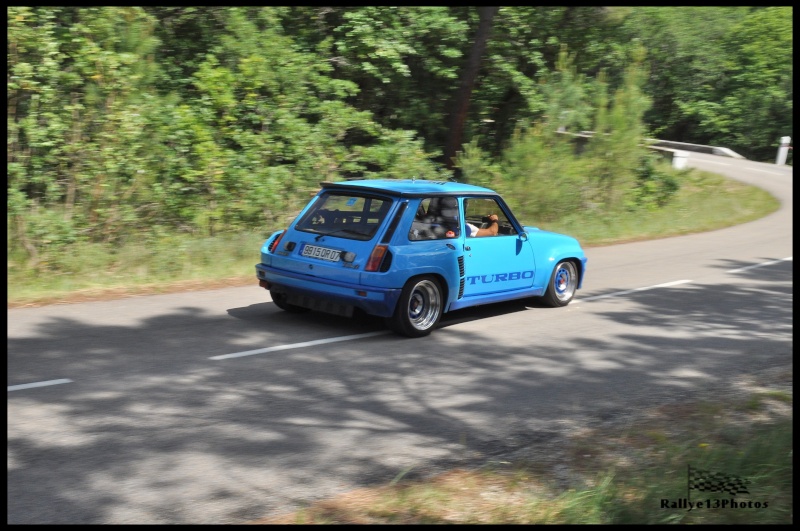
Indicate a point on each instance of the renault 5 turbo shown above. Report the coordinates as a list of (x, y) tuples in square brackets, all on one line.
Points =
[(412, 250)]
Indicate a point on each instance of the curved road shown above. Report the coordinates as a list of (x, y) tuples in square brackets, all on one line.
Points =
[(217, 407)]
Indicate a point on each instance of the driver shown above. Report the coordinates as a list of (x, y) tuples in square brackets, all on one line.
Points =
[(491, 230)]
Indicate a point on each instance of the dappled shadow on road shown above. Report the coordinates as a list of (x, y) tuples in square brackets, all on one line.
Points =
[(152, 430)]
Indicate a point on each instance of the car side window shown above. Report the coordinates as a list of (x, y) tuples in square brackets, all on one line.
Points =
[(436, 218), (477, 211)]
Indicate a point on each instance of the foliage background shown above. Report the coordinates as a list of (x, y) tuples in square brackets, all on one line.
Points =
[(137, 124)]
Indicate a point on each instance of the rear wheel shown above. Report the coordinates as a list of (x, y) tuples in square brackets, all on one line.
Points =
[(562, 285), (280, 301), (419, 308)]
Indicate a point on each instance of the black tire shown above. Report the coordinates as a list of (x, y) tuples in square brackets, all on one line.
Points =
[(419, 308), (280, 301), (562, 285)]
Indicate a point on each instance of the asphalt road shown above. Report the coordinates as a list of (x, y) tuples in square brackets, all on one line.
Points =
[(217, 407)]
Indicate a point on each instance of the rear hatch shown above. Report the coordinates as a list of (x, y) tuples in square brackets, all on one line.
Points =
[(335, 237)]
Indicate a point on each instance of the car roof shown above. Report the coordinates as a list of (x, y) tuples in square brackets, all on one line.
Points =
[(409, 187)]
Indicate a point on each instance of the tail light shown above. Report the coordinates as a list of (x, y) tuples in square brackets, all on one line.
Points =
[(376, 257), (275, 242)]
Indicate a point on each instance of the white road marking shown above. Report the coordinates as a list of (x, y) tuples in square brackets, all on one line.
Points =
[(38, 384), (297, 345), (384, 332), (618, 293), (789, 259), (372, 334)]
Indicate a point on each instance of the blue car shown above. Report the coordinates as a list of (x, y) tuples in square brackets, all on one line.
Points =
[(412, 250)]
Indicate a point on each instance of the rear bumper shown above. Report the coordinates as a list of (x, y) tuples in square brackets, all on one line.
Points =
[(319, 294)]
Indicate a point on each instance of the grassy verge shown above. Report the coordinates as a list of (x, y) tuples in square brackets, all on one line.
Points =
[(172, 263), (635, 472), (705, 202), (175, 263)]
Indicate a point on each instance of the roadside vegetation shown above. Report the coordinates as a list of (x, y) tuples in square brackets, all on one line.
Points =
[(630, 472), (167, 263), (149, 145)]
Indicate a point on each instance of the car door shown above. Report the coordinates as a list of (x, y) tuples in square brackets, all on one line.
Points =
[(494, 264)]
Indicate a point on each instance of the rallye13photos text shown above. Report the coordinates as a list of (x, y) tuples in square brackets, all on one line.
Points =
[(404, 250)]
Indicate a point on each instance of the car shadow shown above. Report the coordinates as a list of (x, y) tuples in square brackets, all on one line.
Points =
[(262, 312)]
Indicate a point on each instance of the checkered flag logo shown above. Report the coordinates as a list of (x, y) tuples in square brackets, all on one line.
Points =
[(708, 481)]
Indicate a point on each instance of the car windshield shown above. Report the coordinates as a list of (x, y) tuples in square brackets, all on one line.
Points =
[(351, 216)]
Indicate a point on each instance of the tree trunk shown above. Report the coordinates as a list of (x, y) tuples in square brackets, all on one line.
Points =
[(468, 77)]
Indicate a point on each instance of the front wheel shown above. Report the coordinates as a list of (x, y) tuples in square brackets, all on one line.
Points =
[(419, 308), (562, 285)]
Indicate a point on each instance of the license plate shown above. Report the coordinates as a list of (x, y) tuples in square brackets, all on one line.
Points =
[(320, 253)]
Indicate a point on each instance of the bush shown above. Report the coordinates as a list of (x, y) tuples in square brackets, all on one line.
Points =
[(654, 188)]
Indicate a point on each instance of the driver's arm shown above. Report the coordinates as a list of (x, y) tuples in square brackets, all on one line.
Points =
[(492, 229)]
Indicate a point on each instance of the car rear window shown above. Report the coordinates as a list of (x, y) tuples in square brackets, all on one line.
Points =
[(350, 216)]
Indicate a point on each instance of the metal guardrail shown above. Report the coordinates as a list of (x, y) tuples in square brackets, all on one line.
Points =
[(675, 152), (697, 148), (684, 146)]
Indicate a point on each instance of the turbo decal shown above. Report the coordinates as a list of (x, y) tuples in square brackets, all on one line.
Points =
[(499, 277)]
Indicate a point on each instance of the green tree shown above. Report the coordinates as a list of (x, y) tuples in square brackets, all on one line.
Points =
[(186, 34), (77, 121), (541, 173), (718, 75), (524, 51), (686, 57), (619, 133), (467, 84), (405, 61), (757, 103), (275, 122)]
